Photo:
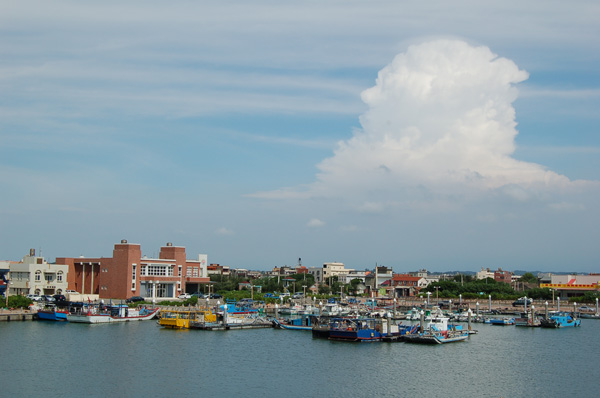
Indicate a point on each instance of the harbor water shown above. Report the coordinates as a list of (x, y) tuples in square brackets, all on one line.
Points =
[(141, 359)]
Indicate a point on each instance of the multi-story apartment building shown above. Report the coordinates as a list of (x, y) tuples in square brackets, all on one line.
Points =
[(333, 272)]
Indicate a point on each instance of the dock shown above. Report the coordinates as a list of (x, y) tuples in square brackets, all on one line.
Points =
[(17, 315), (234, 326)]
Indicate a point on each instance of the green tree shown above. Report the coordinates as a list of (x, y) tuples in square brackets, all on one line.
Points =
[(528, 277), (16, 302)]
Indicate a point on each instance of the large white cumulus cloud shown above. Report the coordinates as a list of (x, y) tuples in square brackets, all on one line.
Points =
[(440, 119)]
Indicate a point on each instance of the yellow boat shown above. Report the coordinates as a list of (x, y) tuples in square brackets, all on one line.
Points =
[(181, 319)]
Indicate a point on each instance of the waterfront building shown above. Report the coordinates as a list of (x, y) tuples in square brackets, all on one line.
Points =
[(127, 273), (34, 275), (4, 276), (566, 286)]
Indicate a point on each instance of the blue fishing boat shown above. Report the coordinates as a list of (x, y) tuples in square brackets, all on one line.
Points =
[(561, 320), (52, 314)]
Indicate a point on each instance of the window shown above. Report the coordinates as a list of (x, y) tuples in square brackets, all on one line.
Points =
[(160, 270), (59, 277), (195, 271), (49, 278), (189, 272), (38, 276), (179, 274), (133, 269), (143, 270)]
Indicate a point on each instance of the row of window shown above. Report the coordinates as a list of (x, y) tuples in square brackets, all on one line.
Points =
[(156, 270), (49, 277)]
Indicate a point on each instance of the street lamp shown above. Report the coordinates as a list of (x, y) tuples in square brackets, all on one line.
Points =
[(304, 294)]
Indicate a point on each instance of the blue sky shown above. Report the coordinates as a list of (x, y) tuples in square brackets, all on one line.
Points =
[(438, 135)]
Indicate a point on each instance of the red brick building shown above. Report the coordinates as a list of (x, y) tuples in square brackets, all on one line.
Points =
[(502, 276), (128, 274)]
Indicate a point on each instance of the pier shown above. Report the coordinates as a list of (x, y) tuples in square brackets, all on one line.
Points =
[(17, 315)]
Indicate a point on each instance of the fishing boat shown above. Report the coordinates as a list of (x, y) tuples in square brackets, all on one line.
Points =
[(561, 320), (52, 313), (432, 336), (181, 319), (367, 329), (590, 315), (414, 314), (438, 331), (301, 323), (528, 319), (226, 321), (320, 326), (294, 309), (501, 321), (98, 313), (333, 309)]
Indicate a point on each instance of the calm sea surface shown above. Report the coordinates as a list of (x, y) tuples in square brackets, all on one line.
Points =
[(143, 360)]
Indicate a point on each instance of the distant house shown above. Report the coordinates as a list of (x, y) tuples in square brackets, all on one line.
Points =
[(405, 285), (317, 273), (499, 275), (374, 280), (502, 276)]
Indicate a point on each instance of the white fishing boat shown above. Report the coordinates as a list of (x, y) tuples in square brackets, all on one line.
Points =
[(333, 309), (95, 313)]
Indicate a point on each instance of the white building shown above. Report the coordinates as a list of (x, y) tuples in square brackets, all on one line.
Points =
[(33, 275), (335, 271), (362, 275), (485, 273)]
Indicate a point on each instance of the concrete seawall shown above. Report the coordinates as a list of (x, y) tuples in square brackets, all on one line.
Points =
[(17, 315)]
